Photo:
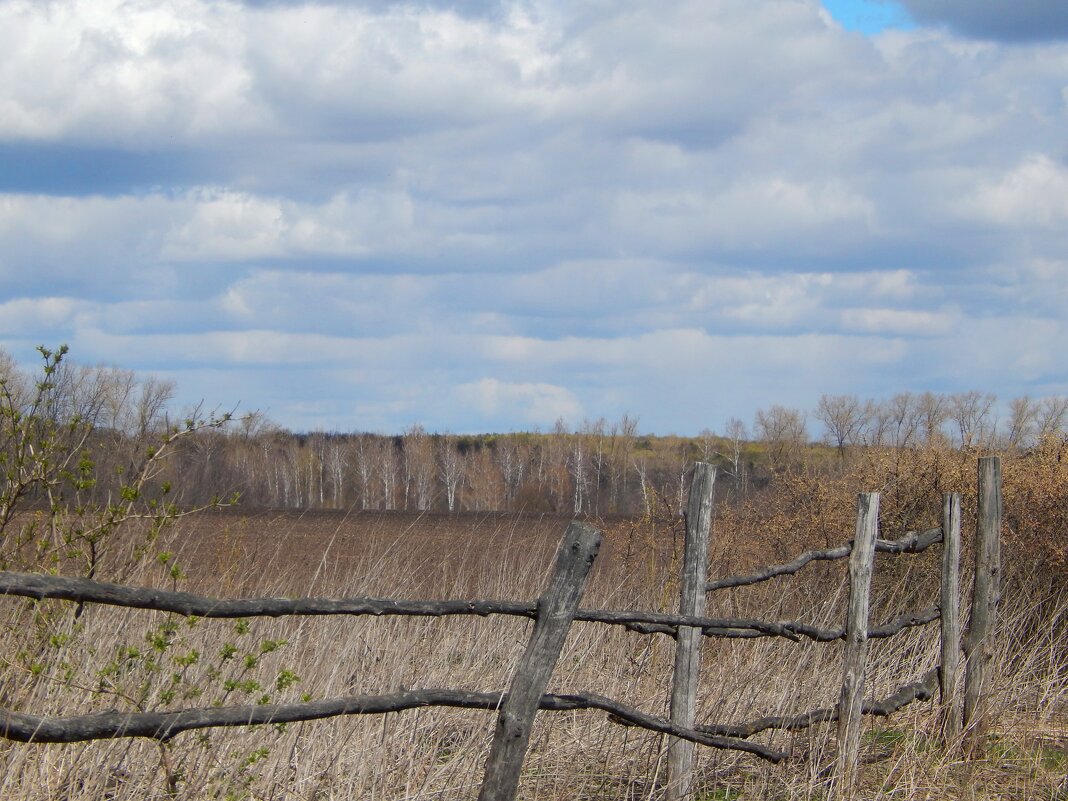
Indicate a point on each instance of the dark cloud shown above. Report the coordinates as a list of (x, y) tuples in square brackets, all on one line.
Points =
[(54, 168), (1002, 20)]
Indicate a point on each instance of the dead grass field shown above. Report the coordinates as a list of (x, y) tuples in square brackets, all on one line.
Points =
[(103, 660)]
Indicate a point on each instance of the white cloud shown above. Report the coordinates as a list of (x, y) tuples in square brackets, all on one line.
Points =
[(535, 404), (23, 317), (105, 70), (900, 322), (751, 214), (676, 210), (1034, 194)]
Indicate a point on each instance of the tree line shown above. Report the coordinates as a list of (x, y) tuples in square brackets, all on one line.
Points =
[(111, 418)]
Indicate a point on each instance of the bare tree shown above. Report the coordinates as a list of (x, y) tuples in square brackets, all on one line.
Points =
[(597, 442), (116, 388), (418, 454), (512, 466), (557, 472), (707, 441), (484, 488), (363, 453), (933, 413), (315, 467), (735, 435), (624, 434), (844, 417), (450, 467), (642, 469), (904, 416), (783, 431), (152, 402), (1052, 419), (576, 465), (337, 467), (385, 459), (970, 412), (1023, 414), (880, 425)]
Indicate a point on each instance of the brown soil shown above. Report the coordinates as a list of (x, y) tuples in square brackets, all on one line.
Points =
[(316, 552)]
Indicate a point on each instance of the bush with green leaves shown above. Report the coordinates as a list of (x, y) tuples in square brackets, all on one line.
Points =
[(83, 467)]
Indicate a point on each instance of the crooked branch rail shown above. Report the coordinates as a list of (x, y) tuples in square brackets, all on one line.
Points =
[(553, 615), (39, 587), (26, 728), (913, 542)]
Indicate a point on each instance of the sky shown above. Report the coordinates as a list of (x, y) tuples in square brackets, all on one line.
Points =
[(487, 216)]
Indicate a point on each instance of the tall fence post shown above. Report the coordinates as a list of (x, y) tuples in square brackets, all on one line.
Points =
[(556, 609), (861, 564), (949, 613), (986, 594), (688, 643)]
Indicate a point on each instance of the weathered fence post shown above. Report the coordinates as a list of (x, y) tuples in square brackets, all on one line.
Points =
[(556, 608), (861, 563), (949, 612), (688, 643), (986, 594)]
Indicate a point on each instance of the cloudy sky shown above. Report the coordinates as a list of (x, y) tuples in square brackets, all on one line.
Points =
[(484, 216)]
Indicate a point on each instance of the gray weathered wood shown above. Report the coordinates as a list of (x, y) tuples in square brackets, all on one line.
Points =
[(556, 608), (861, 562), (913, 542), (688, 643), (33, 585), (949, 606), (922, 690), (986, 594), (26, 728)]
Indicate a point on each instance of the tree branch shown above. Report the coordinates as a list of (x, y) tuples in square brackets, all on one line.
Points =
[(913, 542), (33, 585), (163, 726), (922, 690)]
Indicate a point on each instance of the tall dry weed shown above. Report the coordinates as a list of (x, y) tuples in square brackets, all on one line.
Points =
[(55, 664)]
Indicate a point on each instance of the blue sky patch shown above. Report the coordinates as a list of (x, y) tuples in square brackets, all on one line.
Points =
[(868, 16)]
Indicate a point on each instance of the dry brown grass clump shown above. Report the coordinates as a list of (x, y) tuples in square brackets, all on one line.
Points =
[(57, 664)]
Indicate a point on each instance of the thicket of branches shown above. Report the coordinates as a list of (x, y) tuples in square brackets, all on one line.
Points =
[(83, 453)]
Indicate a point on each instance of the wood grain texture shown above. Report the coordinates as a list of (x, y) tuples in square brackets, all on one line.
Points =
[(949, 605), (861, 563), (688, 642), (986, 595), (556, 609)]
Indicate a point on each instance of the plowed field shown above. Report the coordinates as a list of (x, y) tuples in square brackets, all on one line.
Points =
[(319, 552)]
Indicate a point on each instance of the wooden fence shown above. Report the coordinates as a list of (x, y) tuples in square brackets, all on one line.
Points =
[(559, 606)]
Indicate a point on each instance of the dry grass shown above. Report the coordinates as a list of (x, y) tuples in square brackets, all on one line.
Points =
[(438, 754)]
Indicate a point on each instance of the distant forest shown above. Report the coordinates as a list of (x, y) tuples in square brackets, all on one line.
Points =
[(112, 417)]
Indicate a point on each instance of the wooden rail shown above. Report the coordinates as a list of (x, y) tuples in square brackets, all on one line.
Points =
[(554, 613), (40, 587)]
